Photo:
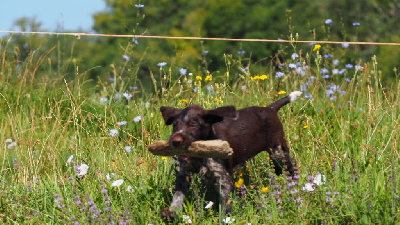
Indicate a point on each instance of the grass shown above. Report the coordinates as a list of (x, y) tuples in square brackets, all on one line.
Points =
[(343, 133)]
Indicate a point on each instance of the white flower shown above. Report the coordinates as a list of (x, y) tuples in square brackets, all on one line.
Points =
[(209, 205), (228, 220), (186, 219), (128, 149), (147, 104), (129, 188), (108, 176), (82, 170), (113, 132), (103, 100), (12, 145), (319, 179), (9, 140), (137, 119), (127, 95), (117, 183), (308, 187), (69, 160)]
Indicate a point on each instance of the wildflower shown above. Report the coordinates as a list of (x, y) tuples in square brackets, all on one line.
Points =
[(300, 71), (117, 183), (324, 71), (147, 104), (335, 71), (241, 52), (103, 100), (319, 179), (122, 123), (239, 183), (12, 145), (82, 170), (205, 51), (358, 67), (117, 96), (327, 56), (228, 220), (209, 205), (127, 95), (349, 66), (328, 199), (164, 158), (279, 74), (113, 132), (129, 188), (135, 41), (182, 71), (303, 87), (199, 78), (305, 126), (316, 47), (208, 78), (263, 77), (137, 119), (139, 5), (128, 149), (294, 56), (342, 71), (69, 160), (9, 140), (186, 219), (348, 80), (161, 64), (255, 77), (244, 69), (356, 24), (308, 187), (264, 189), (281, 92), (292, 66), (328, 21), (335, 62), (345, 45), (126, 57), (325, 76), (243, 87), (183, 100)]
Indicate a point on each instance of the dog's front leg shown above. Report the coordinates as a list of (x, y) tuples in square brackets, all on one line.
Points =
[(182, 187)]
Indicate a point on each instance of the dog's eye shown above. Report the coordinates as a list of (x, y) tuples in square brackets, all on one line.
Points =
[(192, 124)]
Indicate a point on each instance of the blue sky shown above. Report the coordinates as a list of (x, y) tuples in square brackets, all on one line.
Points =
[(70, 15)]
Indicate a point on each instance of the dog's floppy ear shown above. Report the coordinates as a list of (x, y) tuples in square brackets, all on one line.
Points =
[(169, 114), (218, 114)]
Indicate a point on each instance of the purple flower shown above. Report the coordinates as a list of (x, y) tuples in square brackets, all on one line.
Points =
[(182, 71), (241, 52), (135, 41), (345, 45), (329, 199), (335, 71), (328, 21), (349, 66), (348, 80), (335, 62), (126, 57), (139, 5), (324, 71), (279, 74), (113, 132), (300, 71), (103, 100), (205, 51), (308, 95), (358, 67), (325, 76), (294, 56), (327, 56), (161, 64), (108, 209), (127, 95), (356, 24), (342, 71), (292, 66)]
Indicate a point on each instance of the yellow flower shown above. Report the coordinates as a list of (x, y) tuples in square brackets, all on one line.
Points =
[(305, 126), (183, 100), (164, 158), (263, 77), (255, 78), (208, 78), (239, 183), (265, 189), (199, 78), (316, 47), (281, 92)]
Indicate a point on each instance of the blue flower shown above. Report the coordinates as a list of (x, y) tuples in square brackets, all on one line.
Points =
[(128, 149), (103, 100), (241, 52), (139, 5), (327, 56), (342, 71), (328, 21), (117, 96), (126, 57), (244, 69), (279, 74), (345, 45), (294, 56), (356, 24), (303, 87), (127, 95), (308, 95), (325, 76), (349, 66), (137, 119), (335, 71), (122, 123), (358, 67), (335, 62), (348, 80), (182, 71), (161, 64), (205, 52), (292, 66), (333, 98), (324, 71), (111, 79), (113, 132), (300, 71), (135, 41)]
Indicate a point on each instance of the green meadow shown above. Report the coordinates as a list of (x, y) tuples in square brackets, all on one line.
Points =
[(74, 151)]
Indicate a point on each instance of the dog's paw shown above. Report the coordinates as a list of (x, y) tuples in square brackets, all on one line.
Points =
[(168, 215)]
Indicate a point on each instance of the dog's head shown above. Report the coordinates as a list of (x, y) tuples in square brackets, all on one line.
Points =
[(193, 123)]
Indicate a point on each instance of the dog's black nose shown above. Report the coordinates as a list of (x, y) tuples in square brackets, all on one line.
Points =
[(177, 141)]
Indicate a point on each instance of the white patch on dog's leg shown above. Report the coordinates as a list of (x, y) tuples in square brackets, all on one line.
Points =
[(177, 201), (295, 95)]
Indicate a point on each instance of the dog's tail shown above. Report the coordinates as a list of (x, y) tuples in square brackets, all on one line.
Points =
[(285, 100)]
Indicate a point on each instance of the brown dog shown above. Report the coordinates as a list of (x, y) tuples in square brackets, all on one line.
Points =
[(249, 131)]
